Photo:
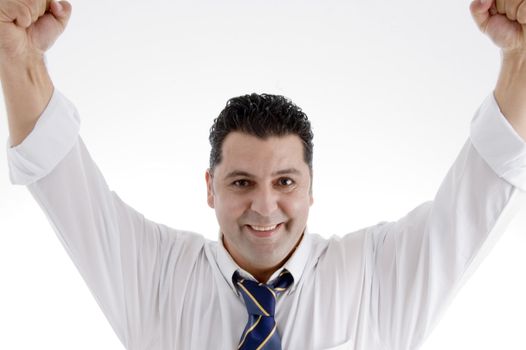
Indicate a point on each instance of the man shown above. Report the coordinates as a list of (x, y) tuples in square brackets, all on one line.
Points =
[(267, 283)]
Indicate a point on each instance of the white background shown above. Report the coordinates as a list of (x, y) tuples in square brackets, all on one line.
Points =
[(390, 88)]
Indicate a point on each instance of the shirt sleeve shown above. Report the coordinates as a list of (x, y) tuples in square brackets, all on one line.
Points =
[(118, 252), (421, 260)]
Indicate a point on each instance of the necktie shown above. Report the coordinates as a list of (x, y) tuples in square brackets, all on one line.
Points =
[(260, 300)]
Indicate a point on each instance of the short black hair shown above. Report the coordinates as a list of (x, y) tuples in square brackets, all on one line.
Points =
[(261, 115)]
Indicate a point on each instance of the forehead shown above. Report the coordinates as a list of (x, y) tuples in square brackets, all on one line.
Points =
[(249, 153)]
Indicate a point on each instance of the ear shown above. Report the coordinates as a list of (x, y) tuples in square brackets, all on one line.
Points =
[(209, 188)]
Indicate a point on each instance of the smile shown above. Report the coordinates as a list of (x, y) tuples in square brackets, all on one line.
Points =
[(263, 228), (264, 231)]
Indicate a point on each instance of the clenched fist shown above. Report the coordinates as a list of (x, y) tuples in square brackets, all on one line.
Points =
[(30, 27), (504, 21)]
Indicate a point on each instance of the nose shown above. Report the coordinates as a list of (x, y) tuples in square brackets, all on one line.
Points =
[(265, 201)]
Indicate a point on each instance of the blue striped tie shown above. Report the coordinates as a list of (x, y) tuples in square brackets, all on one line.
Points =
[(260, 299)]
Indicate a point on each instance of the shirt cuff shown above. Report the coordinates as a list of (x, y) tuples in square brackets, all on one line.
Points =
[(54, 135), (499, 144)]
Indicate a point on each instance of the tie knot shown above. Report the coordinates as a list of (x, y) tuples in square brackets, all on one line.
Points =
[(260, 298)]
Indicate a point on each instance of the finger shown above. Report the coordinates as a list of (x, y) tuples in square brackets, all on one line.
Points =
[(493, 10), (33, 8), (20, 14), (43, 6), (521, 13), (511, 9), (501, 6), (27, 8), (37, 7), (61, 10), (480, 12)]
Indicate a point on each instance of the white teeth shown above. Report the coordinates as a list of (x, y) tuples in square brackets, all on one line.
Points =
[(263, 228)]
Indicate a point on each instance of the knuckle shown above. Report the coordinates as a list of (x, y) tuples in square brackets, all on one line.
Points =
[(521, 13), (512, 9), (500, 5), (10, 9), (510, 12), (511, 15), (25, 13), (24, 5)]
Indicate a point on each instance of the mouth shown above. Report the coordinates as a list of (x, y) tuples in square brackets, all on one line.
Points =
[(264, 231)]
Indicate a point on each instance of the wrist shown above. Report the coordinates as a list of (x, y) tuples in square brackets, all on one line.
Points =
[(510, 91), (515, 59), (27, 90), (513, 70), (511, 82), (31, 72), (29, 66)]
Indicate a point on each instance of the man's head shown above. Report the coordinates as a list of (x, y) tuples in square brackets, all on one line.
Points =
[(260, 176), (261, 116)]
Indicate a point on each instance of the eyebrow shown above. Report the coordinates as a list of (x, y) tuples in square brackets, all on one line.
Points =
[(237, 173)]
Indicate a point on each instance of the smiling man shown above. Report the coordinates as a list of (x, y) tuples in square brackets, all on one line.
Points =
[(260, 180), (266, 283)]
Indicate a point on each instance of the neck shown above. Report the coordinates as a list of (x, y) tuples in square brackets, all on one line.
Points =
[(263, 274)]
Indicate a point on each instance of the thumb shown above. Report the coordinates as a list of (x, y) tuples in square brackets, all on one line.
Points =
[(480, 12), (48, 28), (61, 10)]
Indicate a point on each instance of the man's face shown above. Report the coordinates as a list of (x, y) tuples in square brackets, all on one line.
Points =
[(260, 184)]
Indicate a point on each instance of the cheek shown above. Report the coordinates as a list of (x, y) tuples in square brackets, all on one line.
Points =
[(230, 207), (297, 206)]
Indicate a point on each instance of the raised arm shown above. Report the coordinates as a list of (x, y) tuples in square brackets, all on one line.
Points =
[(421, 260), (119, 253), (504, 21), (27, 29)]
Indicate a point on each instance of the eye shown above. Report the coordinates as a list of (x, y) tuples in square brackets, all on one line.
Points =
[(241, 183), (286, 182)]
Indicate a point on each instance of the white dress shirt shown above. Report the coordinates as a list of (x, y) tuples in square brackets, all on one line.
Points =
[(382, 287)]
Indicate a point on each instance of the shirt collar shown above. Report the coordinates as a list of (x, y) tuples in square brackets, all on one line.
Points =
[(295, 265)]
